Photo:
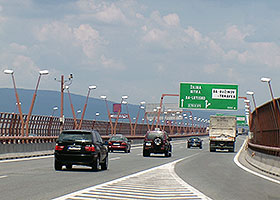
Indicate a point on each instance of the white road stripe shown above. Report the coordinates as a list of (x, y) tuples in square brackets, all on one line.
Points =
[(249, 170), (26, 159), (116, 158), (156, 183), (3, 176)]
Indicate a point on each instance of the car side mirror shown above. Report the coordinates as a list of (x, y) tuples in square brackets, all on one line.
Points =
[(106, 142)]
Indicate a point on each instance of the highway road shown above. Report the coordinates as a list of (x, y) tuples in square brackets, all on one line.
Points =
[(188, 174)]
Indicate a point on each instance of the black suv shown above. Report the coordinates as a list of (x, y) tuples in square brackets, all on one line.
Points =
[(157, 142), (194, 142), (80, 147)]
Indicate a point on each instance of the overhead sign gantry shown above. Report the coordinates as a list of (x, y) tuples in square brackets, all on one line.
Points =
[(208, 96)]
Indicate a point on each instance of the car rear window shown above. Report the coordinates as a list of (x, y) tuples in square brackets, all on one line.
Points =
[(153, 135), (74, 136), (115, 138)]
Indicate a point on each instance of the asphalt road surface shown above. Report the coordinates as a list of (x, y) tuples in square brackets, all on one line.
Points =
[(188, 174)]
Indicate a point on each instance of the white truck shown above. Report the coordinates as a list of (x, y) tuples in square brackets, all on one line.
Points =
[(222, 133)]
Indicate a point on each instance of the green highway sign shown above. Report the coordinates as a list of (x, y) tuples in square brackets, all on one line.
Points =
[(240, 119), (208, 96)]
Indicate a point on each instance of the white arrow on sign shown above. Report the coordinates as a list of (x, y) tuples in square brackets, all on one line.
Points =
[(182, 102), (207, 104)]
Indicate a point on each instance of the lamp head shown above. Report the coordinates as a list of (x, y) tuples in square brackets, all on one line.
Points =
[(8, 71), (265, 79), (250, 93), (92, 87), (103, 97), (124, 97), (44, 72)]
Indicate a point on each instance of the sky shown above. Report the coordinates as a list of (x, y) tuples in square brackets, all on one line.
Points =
[(142, 48)]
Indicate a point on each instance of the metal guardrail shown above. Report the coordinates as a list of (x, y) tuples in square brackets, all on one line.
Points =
[(43, 129)]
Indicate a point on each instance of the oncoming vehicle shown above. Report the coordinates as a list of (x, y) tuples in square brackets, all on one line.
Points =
[(194, 142), (80, 147), (157, 142), (119, 142)]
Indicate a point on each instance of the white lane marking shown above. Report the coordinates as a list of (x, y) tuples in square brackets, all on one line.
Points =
[(249, 170), (165, 184), (26, 159), (116, 158), (139, 154), (3, 176)]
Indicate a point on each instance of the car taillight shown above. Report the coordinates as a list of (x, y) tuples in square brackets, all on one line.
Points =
[(123, 143), (59, 148), (90, 148), (110, 143)]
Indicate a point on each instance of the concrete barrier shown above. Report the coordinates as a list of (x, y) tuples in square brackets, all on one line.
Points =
[(264, 162), (15, 148)]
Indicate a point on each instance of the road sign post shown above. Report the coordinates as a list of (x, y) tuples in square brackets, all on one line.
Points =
[(208, 96)]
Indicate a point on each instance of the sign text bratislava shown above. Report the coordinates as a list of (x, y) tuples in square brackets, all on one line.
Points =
[(208, 96)]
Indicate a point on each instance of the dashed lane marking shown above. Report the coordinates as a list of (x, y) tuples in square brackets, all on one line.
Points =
[(156, 183), (3, 176)]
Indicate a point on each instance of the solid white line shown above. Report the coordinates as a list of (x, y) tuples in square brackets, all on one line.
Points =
[(3, 176), (249, 170), (25, 159)]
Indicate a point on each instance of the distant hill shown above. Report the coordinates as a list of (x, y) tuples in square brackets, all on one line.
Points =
[(46, 100)]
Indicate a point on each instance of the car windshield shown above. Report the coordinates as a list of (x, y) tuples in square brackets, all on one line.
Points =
[(72, 136), (115, 138), (153, 135), (194, 139)]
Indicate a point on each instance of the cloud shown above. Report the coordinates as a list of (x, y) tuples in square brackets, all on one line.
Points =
[(154, 35), (55, 30), (110, 13), (211, 68), (111, 64), (172, 19), (18, 47)]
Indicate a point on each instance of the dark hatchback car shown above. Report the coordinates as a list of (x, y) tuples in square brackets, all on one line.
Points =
[(157, 142), (194, 142), (119, 142), (80, 147)]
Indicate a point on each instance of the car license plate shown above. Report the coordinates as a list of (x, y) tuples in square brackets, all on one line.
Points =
[(74, 148), (116, 144)]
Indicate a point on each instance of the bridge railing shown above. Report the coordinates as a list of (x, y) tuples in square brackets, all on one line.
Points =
[(43, 129), (265, 126)]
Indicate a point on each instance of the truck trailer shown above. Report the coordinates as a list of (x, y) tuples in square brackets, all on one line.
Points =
[(222, 133)]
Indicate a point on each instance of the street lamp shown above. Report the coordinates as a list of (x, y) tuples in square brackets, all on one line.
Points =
[(108, 112), (91, 87), (54, 109), (252, 94), (11, 72), (141, 106), (72, 107), (41, 73), (78, 112)]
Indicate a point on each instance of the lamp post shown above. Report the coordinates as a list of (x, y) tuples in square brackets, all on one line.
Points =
[(54, 109), (72, 107), (78, 112), (109, 114), (41, 73), (11, 72), (91, 87), (141, 106), (124, 97), (256, 109), (252, 94), (16, 107)]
